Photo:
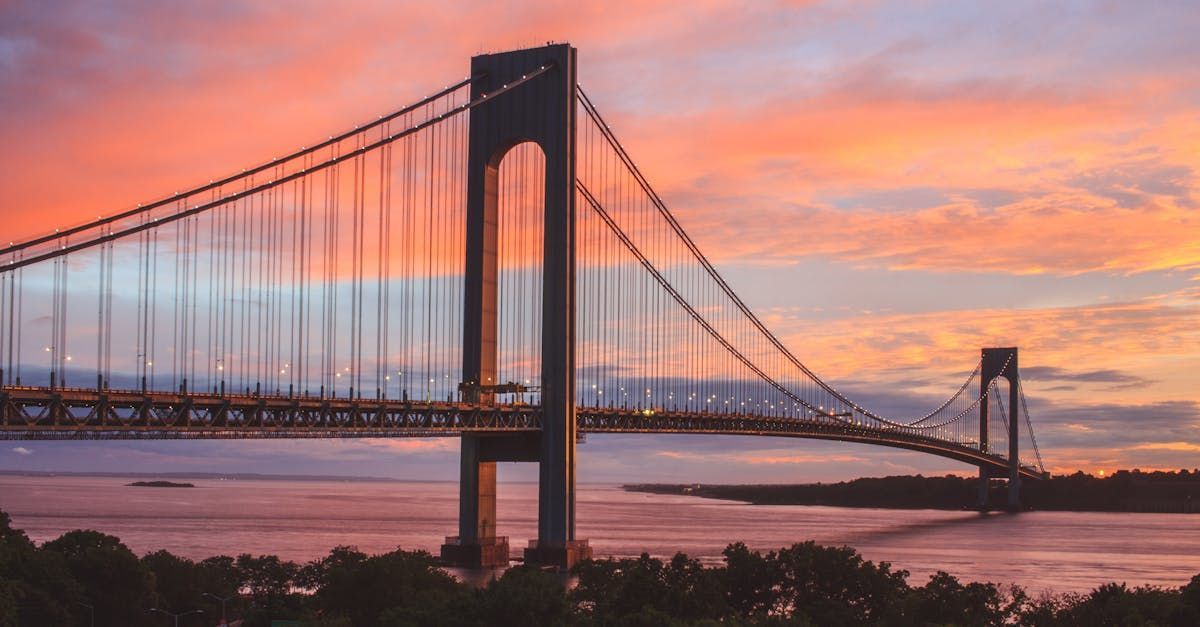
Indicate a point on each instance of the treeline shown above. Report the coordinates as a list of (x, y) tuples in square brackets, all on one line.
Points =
[(86, 575), (1123, 491)]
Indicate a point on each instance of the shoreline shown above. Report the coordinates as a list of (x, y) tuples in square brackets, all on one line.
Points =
[(1130, 492)]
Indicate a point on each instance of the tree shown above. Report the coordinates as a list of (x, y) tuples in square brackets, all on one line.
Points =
[(1188, 612), (349, 583), (525, 595), (611, 590), (220, 577), (616, 590), (268, 581), (460, 607), (836, 586), (753, 584), (181, 584), (1115, 604), (945, 601), (176, 580), (35, 587), (114, 582)]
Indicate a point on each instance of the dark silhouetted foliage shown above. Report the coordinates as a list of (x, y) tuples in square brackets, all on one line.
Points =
[(615, 591), (35, 586), (351, 584), (804, 584), (112, 579)]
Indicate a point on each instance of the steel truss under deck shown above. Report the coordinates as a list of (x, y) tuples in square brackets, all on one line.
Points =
[(31, 413)]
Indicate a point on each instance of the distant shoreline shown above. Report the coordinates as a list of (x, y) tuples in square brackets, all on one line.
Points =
[(1124, 491)]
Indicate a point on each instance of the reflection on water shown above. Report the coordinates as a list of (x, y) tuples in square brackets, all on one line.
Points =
[(300, 520)]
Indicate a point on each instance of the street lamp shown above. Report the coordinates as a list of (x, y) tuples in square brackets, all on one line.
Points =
[(174, 615), (91, 612), (221, 599)]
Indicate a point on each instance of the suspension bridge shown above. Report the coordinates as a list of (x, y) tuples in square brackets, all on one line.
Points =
[(486, 263)]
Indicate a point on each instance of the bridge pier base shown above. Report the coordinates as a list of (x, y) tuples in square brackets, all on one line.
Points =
[(560, 556), (486, 553), (983, 501), (476, 545), (1014, 493)]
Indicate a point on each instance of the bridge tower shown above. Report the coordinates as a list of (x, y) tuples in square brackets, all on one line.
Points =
[(543, 112), (1001, 362)]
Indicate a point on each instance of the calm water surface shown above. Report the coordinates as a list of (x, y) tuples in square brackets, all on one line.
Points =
[(301, 520)]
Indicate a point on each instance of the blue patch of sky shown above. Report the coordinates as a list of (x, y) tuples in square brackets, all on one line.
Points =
[(1035, 42), (822, 289)]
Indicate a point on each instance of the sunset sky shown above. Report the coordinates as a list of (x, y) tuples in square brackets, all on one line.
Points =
[(944, 176)]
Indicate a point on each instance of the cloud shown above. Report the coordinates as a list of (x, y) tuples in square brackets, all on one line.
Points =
[(998, 174), (1168, 446), (21, 450), (1051, 373), (944, 345)]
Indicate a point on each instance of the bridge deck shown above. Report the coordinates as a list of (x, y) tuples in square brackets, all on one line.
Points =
[(35, 413)]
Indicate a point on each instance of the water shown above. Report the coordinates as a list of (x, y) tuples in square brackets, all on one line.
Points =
[(301, 520)]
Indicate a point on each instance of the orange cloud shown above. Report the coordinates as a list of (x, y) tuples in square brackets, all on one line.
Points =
[(1150, 339), (1010, 182), (1168, 446)]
